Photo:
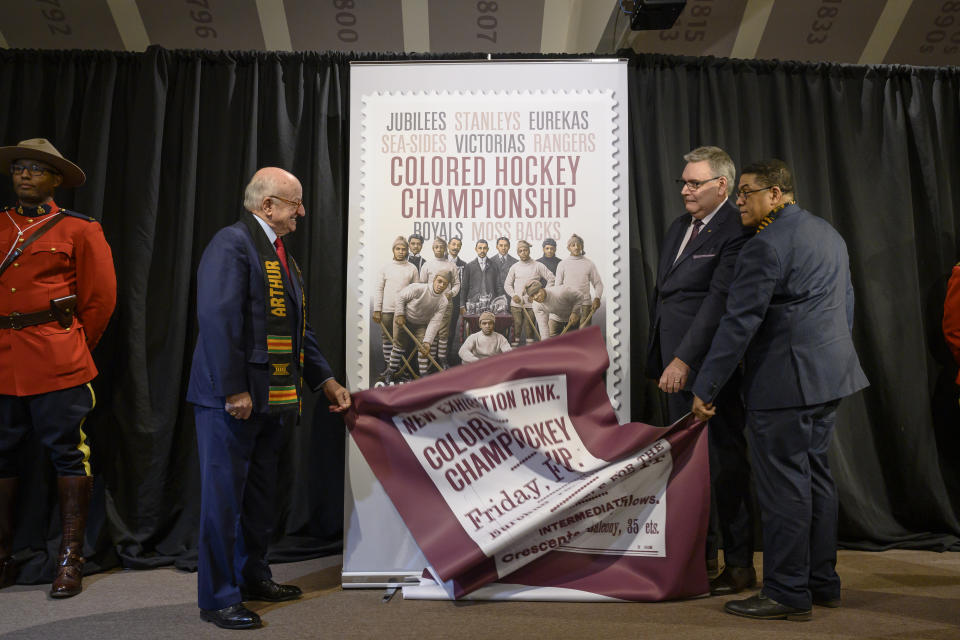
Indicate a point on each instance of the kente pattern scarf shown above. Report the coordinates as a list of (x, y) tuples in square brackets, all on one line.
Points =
[(285, 378)]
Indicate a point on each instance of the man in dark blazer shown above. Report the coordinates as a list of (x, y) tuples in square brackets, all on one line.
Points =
[(479, 277), (696, 266), (503, 261), (415, 242), (789, 320), (453, 250), (254, 347)]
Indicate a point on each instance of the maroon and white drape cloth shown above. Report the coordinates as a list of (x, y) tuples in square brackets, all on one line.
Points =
[(515, 469)]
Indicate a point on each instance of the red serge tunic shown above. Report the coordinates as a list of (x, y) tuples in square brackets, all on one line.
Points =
[(73, 257)]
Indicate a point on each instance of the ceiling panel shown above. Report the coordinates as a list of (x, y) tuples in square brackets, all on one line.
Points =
[(59, 24), (928, 35), (922, 32), (831, 30), (202, 24), (489, 27), (707, 26), (345, 25)]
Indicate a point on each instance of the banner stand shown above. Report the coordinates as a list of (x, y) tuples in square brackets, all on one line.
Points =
[(381, 556), (559, 127)]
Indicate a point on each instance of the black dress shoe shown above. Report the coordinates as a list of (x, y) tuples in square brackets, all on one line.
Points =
[(270, 591), (236, 616), (8, 572), (733, 580), (760, 607)]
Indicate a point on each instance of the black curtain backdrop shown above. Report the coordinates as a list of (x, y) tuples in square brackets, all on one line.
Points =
[(169, 139)]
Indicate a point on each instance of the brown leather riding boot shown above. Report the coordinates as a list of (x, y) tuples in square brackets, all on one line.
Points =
[(8, 570), (74, 504)]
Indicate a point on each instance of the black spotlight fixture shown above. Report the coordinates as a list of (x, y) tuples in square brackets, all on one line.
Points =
[(652, 15)]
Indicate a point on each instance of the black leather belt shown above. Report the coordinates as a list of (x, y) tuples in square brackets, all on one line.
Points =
[(20, 320)]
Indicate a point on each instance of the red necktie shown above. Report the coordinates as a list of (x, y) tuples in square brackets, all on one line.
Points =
[(696, 224), (282, 254), (693, 234)]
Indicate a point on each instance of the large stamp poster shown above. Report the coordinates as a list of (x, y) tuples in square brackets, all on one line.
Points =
[(448, 160), (507, 186)]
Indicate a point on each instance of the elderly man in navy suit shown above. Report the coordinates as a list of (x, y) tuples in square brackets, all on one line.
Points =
[(696, 266), (789, 319), (254, 348)]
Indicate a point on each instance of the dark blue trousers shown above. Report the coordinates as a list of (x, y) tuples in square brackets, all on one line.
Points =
[(57, 418), (238, 481), (730, 480), (798, 502)]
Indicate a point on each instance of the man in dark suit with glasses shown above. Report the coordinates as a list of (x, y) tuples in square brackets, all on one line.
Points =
[(788, 320), (697, 258)]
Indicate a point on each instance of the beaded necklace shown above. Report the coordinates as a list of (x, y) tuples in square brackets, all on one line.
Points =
[(770, 217)]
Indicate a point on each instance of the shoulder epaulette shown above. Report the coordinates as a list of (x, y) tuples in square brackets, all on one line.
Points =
[(67, 212)]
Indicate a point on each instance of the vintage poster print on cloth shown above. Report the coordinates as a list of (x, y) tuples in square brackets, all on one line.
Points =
[(534, 168), (515, 469)]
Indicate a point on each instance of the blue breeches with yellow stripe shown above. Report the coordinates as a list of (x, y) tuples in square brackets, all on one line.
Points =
[(57, 418)]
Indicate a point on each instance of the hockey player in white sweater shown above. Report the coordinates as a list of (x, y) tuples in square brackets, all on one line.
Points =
[(484, 343), (419, 307), (393, 277), (579, 272)]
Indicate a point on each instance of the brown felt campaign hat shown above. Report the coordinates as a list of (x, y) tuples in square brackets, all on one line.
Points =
[(41, 149)]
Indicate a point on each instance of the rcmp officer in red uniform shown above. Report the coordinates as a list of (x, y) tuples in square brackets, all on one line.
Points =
[(57, 292)]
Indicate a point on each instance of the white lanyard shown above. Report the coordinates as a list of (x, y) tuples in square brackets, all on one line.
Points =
[(20, 231)]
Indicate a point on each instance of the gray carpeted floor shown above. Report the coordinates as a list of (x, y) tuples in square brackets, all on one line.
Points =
[(895, 594)]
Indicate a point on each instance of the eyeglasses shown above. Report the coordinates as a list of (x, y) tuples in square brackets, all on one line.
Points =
[(296, 203), (693, 185), (34, 170), (746, 193)]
